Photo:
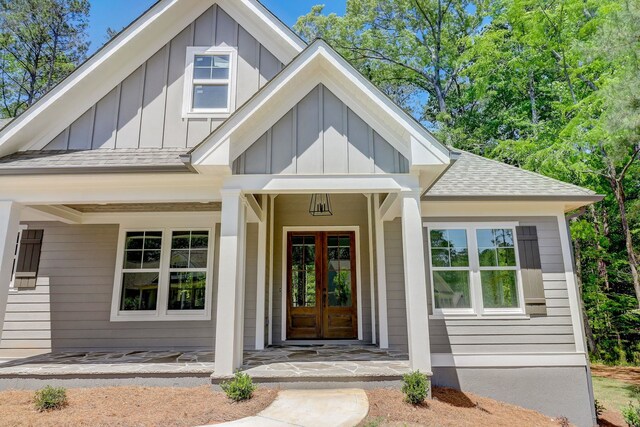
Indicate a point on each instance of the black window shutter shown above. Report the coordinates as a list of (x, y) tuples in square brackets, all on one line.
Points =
[(28, 259), (534, 299)]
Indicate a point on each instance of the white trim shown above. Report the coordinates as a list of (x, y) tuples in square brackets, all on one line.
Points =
[(285, 231), (572, 286), (501, 361), (381, 273), (262, 276), (320, 64), (188, 111), (371, 268), (166, 224), (475, 285)]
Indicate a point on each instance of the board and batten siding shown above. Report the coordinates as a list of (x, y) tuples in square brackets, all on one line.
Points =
[(145, 110), (78, 261), (348, 210), (552, 333), (320, 135)]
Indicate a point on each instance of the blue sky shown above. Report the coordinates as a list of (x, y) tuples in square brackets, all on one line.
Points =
[(119, 13)]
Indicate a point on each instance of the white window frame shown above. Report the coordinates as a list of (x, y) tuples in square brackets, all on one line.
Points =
[(14, 268), (213, 113), (475, 283), (162, 313)]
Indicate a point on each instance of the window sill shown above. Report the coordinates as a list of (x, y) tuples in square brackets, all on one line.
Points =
[(204, 115), (484, 316), (160, 318)]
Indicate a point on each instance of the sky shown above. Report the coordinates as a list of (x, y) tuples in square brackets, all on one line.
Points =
[(119, 13)]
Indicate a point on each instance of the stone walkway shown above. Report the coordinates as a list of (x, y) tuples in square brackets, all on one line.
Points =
[(311, 408)]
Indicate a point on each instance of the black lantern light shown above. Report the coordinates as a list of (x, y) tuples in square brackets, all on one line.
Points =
[(320, 205)]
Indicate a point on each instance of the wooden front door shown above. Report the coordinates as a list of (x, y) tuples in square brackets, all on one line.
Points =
[(321, 285)]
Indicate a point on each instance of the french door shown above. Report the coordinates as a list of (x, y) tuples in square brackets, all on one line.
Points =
[(321, 285)]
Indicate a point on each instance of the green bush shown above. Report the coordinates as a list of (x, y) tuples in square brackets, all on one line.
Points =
[(631, 415), (415, 386), (240, 388), (50, 398), (599, 407)]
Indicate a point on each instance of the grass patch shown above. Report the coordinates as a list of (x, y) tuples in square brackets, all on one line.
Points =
[(613, 394)]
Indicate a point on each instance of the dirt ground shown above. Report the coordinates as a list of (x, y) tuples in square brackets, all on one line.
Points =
[(448, 408), (629, 374), (132, 407)]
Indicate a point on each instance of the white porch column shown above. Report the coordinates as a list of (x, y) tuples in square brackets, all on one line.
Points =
[(230, 308), (415, 283), (9, 228), (381, 270), (262, 276)]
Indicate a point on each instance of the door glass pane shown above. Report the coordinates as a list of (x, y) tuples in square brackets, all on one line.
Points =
[(339, 287), (303, 271)]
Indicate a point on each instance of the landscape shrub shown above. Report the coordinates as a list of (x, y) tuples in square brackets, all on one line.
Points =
[(240, 388), (415, 386), (599, 408), (631, 414), (50, 398)]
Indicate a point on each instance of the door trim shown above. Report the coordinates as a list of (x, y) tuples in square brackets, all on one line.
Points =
[(285, 232)]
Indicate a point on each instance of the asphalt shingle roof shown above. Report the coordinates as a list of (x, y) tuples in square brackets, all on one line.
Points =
[(94, 160), (475, 176)]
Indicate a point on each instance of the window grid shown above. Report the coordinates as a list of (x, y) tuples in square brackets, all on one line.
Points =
[(209, 82), (476, 270)]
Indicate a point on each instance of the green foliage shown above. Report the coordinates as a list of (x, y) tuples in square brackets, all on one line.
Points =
[(415, 386), (631, 415), (50, 398), (41, 42), (546, 85), (599, 407), (240, 388)]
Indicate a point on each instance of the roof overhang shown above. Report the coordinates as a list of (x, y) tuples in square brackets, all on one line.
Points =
[(319, 64), (125, 53)]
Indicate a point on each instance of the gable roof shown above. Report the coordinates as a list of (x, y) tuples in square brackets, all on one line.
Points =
[(318, 64), (475, 177), (92, 80)]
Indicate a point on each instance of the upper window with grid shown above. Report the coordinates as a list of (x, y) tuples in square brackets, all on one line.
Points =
[(209, 82)]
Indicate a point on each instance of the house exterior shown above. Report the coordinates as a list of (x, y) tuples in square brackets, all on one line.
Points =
[(208, 180)]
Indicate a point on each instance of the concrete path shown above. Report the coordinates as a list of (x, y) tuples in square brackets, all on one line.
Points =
[(311, 408)]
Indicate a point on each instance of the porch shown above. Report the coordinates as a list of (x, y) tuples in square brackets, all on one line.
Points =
[(278, 364)]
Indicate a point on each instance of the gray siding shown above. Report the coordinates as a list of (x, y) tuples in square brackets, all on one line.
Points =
[(145, 110), (551, 333), (396, 302), (79, 262), (320, 135), (293, 210)]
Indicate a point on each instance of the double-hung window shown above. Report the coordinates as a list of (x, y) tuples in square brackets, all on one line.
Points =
[(163, 274), (209, 82), (474, 269)]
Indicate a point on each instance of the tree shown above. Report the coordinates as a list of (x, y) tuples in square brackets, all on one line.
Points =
[(41, 42), (412, 49)]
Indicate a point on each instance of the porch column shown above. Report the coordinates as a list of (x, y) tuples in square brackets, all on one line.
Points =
[(9, 228), (382, 274), (230, 308), (415, 283)]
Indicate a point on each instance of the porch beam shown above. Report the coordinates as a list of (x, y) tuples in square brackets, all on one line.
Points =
[(9, 229), (255, 211), (381, 271), (230, 308), (415, 283), (262, 275), (58, 213), (336, 184)]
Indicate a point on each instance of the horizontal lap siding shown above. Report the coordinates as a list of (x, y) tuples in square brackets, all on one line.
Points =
[(251, 287), (551, 333), (145, 110), (396, 302), (78, 262)]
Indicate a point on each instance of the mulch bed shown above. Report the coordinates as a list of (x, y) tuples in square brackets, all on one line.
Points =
[(449, 407), (133, 407)]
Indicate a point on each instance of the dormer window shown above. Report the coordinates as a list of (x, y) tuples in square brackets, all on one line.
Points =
[(209, 82)]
